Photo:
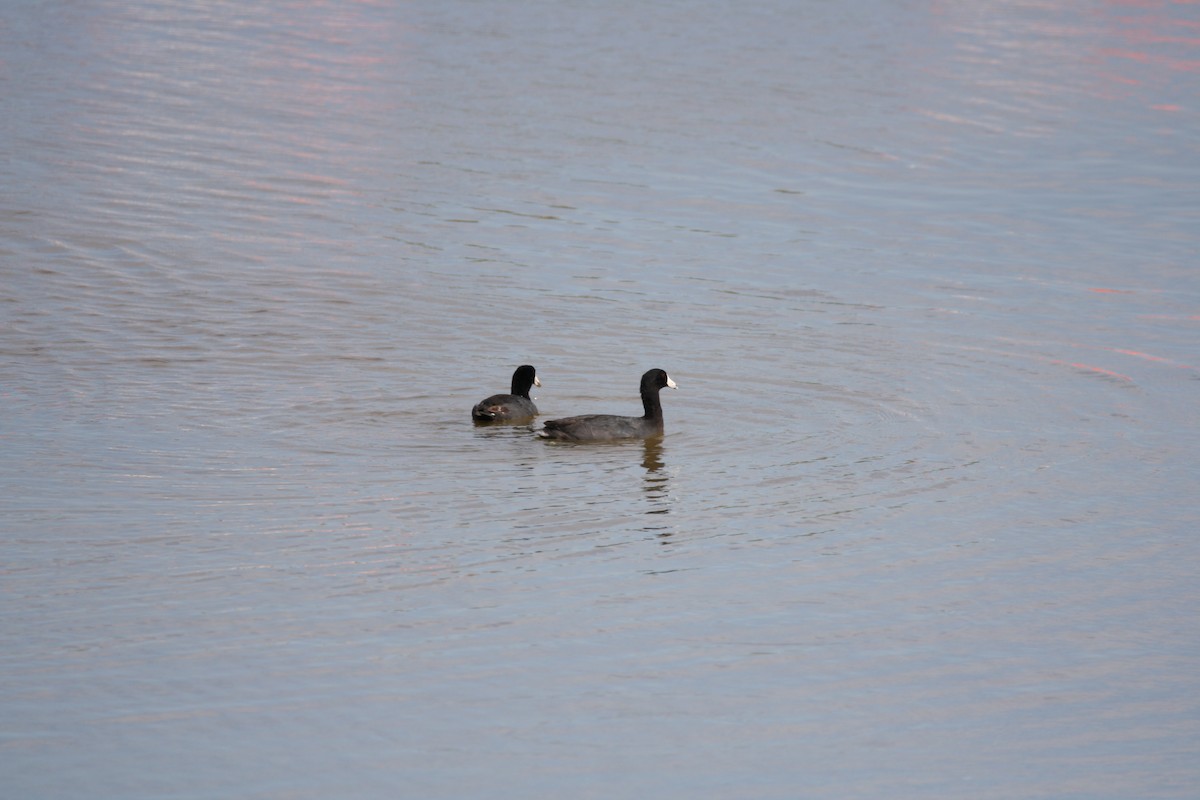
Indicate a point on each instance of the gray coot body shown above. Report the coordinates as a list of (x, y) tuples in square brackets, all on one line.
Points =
[(610, 427), (515, 407)]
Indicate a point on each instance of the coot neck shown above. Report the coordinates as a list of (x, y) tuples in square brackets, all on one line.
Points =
[(652, 404)]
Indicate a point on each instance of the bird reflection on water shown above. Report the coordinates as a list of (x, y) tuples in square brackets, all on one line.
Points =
[(655, 484)]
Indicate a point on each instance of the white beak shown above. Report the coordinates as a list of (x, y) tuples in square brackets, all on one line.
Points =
[(671, 384)]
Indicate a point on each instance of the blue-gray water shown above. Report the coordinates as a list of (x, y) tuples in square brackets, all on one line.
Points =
[(924, 520)]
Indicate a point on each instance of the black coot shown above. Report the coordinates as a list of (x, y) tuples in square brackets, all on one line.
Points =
[(515, 407), (608, 427)]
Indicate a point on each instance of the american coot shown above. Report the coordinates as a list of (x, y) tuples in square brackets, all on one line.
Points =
[(515, 407), (608, 427)]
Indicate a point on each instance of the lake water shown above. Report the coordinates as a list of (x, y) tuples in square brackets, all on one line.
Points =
[(924, 520)]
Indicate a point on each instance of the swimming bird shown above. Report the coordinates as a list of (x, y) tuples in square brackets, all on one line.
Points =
[(515, 407), (609, 427)]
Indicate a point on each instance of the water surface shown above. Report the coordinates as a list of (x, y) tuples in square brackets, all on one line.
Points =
[(921, 525)]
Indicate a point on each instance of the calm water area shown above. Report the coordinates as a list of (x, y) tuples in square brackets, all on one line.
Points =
[(924, 521)]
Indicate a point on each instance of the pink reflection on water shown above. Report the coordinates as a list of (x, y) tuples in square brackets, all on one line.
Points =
[(1033, 51)]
